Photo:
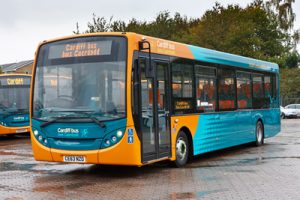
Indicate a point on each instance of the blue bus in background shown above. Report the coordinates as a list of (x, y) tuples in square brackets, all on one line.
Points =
[(14, 103)]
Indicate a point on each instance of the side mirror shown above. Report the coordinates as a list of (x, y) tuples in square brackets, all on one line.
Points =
[(149, 72)]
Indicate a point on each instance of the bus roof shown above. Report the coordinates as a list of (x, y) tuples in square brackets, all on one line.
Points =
[(166, 47), (207, 55)]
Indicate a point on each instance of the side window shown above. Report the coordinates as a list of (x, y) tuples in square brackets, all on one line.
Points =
[(182, 87), (275, 86), (182, 80), (268, 86), (244, 92), (226, 89), (258, 91), (206, 89)]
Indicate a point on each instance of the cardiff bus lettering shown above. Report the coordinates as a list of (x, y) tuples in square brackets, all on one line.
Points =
[(15, 81)]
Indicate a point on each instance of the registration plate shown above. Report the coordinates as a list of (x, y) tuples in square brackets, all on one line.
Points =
[(21, 130), (76, 159)]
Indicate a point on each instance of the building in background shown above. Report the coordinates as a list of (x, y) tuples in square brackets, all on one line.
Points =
[(23, 67)]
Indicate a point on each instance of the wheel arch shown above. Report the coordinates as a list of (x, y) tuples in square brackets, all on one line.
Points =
[(190, 140), (260, 120)]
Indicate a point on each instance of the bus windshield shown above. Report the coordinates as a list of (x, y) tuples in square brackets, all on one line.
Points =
[(81, 78), (14, 98)]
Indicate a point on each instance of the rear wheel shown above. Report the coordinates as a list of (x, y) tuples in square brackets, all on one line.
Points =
[(182, 149), (259, 134)]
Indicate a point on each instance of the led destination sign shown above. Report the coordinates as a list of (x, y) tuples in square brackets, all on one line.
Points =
[(14, 81), (83, 49)]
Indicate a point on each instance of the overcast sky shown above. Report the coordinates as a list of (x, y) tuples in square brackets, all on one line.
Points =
[(23, 24)]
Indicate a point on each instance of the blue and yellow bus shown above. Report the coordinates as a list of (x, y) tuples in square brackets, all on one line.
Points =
[(130, 99), (14, 103)]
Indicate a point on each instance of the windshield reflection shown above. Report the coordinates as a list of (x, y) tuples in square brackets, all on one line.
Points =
[(80, 90), (14, 100)]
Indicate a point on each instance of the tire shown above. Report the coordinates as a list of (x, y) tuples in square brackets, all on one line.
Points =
[(259, 132), (182, 149), (282, 116)]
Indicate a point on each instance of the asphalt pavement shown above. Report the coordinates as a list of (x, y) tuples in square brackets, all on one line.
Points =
[(245, 172)]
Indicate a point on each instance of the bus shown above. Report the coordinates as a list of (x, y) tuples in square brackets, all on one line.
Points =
[(14, 103), (129, 99)]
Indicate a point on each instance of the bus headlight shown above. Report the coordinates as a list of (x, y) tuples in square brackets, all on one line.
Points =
[(112, 138), (119, 133), (40, 137), (3, 123), (36, 132)]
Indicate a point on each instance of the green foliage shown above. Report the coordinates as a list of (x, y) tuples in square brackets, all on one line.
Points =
[(290, 82), (284, 12), (292, 60), (250, 32), (164, 26), (255, 31), (262, 30)]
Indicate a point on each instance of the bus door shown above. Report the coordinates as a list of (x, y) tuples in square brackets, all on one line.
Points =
[(154, 103)]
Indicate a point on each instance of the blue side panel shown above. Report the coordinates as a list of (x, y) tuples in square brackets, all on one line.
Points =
[(18, 120), (271, 121), (221, 130), (218, 57)]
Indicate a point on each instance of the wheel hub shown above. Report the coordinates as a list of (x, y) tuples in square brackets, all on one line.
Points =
[(181, 148), (259, 134)]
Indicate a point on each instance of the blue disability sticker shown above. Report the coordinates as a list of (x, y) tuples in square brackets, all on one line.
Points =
[(130, 136)]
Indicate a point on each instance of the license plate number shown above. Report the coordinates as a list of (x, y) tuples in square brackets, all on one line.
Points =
[(21, 130), (77, 159)]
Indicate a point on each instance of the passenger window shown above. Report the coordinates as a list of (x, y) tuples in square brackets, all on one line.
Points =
[(268, 86), (206, 91), (244, 94), (258, 92), (226, 89), (182, 88), (182, 80), (275, 86)]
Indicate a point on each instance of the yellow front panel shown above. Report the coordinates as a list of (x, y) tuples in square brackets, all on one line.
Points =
[(122, 153), (40, 152), (13, 130)]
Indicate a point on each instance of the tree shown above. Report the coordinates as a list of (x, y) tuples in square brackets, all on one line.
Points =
[(293, 59), (289, 82), (250, 32), (164, 26), (284, 12), (254, 31)]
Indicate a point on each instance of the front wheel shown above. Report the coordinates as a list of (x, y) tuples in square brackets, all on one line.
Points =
[(259, 134), (182, 149), (282, 116)]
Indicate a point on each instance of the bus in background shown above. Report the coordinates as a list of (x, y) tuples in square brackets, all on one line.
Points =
[(129, 99), (14, 103)]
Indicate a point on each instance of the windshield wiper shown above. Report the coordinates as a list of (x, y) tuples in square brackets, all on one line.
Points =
[(55, 119), (94, 119), (101, 124)]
